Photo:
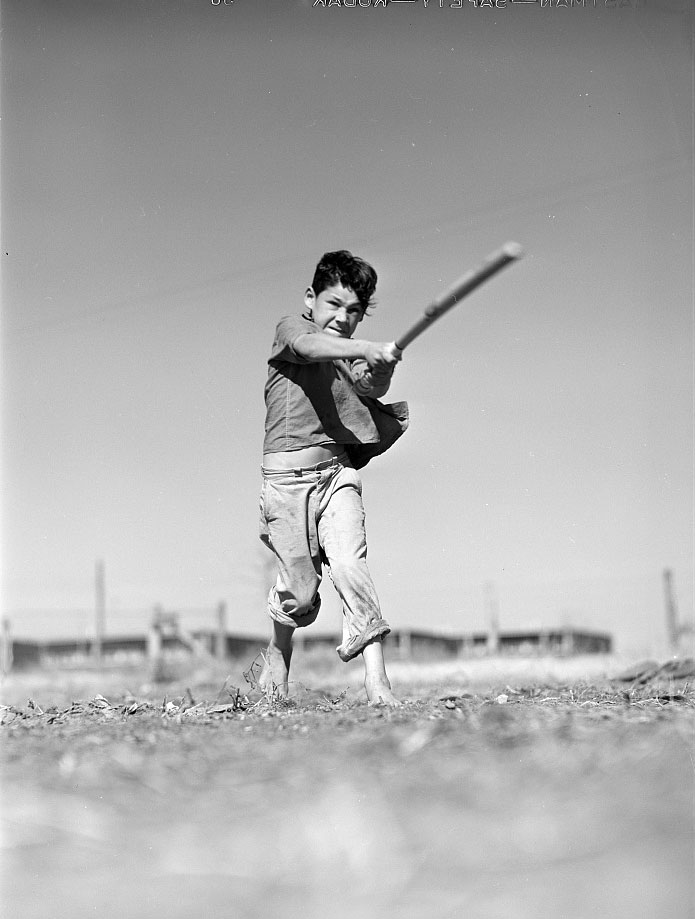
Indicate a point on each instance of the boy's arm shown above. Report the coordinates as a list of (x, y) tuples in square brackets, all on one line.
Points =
[(322, 346)]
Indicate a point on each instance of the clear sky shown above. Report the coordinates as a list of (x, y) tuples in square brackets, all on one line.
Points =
[(172, 171)]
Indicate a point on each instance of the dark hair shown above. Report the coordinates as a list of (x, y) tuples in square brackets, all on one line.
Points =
[(347, 269)]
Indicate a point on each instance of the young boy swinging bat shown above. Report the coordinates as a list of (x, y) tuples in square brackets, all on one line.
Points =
[(324, 421)]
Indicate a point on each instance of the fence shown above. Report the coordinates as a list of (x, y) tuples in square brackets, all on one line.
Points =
[(169, 632)]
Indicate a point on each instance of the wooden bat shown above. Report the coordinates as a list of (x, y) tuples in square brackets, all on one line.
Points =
[(510, 252)]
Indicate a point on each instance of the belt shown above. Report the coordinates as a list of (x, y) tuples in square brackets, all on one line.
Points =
[(302, 470)]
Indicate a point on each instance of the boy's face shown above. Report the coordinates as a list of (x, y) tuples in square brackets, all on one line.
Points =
[(335, 310)]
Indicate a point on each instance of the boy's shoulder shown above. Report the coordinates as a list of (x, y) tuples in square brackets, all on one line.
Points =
[(297, 319), (289, 327), (287, 331)]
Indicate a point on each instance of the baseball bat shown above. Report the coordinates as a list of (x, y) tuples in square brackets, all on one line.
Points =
[(508, 253)]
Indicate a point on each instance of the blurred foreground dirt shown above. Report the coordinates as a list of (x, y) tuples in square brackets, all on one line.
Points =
[(500, 790)]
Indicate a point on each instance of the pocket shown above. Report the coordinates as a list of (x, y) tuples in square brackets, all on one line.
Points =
[(263, 521), (354, 479), (269, 501), (348, 477)]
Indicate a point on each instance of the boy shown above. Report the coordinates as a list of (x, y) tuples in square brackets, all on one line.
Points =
[(323, 422)]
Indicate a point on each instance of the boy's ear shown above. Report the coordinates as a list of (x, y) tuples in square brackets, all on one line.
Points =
[(309, 299)]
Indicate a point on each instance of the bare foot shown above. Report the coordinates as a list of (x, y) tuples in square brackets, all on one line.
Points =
[(274, 677), (379, 691), (376, 683)]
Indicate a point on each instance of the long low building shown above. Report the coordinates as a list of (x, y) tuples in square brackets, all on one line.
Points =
[(413, 643), (405, 643)]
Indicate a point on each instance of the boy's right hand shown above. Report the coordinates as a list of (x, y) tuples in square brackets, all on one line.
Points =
[(382, 357)]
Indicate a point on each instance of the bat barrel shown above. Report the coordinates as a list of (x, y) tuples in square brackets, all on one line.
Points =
[(461, 288), (473, 278)]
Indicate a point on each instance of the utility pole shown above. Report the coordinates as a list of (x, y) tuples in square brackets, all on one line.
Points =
[(221, 642), (673, 629), (99, 610), (5, 647)]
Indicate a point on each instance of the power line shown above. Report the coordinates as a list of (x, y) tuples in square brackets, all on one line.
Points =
[(599, 183)]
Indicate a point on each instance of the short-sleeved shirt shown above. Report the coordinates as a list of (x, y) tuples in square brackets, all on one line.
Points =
[(314, 402)]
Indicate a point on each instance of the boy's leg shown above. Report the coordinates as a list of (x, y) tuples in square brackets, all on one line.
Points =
[(289, 530), (293, 601), (343, 539), (276, 669)]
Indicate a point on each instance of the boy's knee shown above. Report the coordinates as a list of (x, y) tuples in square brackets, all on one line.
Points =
[(301, 621), (295, 611)]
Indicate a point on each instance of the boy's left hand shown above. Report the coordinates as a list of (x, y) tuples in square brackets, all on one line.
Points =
[(380, 376)]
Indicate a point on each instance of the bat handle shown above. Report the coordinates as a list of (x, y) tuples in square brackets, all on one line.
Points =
[(395, 350)]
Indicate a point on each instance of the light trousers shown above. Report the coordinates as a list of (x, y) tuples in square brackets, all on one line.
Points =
[(311, 517)]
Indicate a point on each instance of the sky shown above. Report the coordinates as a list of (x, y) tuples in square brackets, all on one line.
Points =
[(172, 170)]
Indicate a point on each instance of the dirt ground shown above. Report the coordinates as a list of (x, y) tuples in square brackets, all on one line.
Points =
[(502, 789)]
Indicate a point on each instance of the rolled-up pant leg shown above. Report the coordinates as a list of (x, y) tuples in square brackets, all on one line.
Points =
[(343, 539), (288, 527)]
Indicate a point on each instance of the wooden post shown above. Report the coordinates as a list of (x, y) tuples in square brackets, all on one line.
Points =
[(672, 628), (99, 611), (6, 646), (493, 618), (154, 636), (567, 641), (221, 643)]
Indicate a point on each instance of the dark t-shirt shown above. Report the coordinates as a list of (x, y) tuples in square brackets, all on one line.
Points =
[(311, 402)]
